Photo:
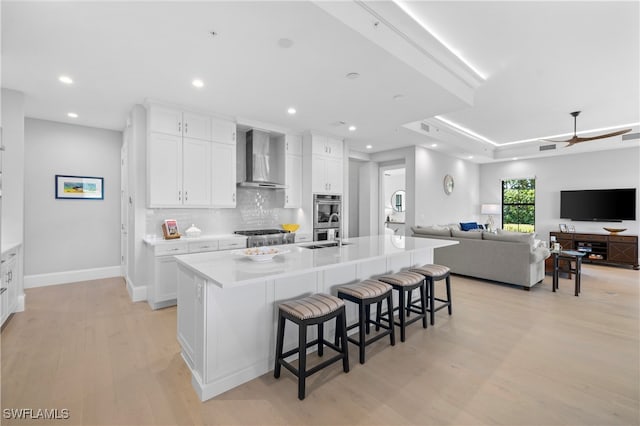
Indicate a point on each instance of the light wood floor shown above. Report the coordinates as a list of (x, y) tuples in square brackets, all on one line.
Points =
[(506, 356)]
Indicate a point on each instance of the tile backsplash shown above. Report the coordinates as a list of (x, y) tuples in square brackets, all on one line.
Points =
[(255, 209)]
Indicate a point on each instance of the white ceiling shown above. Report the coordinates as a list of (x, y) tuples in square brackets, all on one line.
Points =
[(542, 61)]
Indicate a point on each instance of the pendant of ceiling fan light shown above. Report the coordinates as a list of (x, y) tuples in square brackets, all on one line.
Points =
[(576, 139)]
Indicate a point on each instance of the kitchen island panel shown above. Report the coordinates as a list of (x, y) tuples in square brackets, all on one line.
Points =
[(239, 320)]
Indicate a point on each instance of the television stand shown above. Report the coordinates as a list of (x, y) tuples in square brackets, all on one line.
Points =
[(608, 249)]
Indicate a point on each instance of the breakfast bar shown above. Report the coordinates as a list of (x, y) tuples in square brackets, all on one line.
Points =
[(227, 303)]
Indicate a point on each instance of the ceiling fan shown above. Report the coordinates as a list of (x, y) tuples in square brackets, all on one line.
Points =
[(576, 139)]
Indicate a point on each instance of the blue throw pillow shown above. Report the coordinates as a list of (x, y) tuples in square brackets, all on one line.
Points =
[(466, 226)]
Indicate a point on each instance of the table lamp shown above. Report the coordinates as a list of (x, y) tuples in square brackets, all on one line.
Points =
[(490, 210)]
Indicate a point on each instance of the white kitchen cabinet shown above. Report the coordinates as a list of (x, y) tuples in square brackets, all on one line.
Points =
[(172, 121), (196, 126), (324, 155), (224, 175), (325, 146), (196, 172), (326, 175), (164, 167), (162, 290), (293, 144), (224, 131), (11, 283), (179, 171), (293, 181)]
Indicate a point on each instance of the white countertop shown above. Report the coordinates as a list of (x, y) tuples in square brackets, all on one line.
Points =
[(159, 240), (228, 269)]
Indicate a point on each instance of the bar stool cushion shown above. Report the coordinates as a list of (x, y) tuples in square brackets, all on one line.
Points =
[(366, 289), (434, 271), (404, 278), (313, 306)]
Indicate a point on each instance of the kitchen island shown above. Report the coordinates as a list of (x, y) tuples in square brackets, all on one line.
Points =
[(227, 304)]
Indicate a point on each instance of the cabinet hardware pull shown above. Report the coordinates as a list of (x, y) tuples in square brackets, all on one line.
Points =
[(179, 127), (234, 197), (186, 195), (186, 128), (179, 195)]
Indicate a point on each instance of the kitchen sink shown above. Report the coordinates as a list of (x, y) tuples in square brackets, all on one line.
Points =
[(325, 245)]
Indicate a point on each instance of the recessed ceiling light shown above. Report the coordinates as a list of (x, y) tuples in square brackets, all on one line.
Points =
[(470, 157), (72, 115), (197, 83), (433, 145), (65, 79), (515, 158), (285, 43), (369, 146), (352, 75), (291, 111), (352, 128), (398, 97)]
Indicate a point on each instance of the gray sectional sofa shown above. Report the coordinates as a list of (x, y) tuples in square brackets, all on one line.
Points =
[(506, 257)]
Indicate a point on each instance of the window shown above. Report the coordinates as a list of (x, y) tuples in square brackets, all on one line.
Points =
[(519, 205)]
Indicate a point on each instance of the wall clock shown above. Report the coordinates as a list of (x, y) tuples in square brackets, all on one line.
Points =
[(448, 184)]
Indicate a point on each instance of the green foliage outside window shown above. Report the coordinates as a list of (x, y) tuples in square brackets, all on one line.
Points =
[(519, 205)]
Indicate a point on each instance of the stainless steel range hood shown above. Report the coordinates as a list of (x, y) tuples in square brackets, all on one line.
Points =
[(260, 171)]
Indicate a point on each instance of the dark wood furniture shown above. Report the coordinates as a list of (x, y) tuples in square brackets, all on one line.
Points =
[(313, 310), (365, 294), (569, 256), (602, 248)]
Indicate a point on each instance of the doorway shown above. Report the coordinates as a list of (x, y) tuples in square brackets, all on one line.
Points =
[(393, 199)]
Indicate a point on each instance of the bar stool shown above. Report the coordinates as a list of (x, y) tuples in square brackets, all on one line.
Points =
[(312, 310), (405, 282), (365, 294), (434, 273)]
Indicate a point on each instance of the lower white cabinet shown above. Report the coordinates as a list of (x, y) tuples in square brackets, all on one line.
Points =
[(11, 284), (162, 289)]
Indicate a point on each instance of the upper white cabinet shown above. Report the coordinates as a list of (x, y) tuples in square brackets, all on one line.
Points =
[(293, 144), (191, 159), (224, 175), (326, 164), (172, 121), (224, 131), (293, 171), (325, 146), (179, 171)]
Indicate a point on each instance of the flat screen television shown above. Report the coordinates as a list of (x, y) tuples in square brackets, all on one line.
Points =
[(600, 205)]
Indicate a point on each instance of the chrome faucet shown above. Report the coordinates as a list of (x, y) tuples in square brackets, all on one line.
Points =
[(338, 239)]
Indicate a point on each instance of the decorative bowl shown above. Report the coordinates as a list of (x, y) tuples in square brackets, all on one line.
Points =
[(614, 230), (291, 227), (260, 254)]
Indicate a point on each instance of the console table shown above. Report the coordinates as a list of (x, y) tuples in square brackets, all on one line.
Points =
[(601, 248)]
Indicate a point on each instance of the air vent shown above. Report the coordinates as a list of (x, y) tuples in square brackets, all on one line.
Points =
[(425, 127), (547, 147), (631, 136)]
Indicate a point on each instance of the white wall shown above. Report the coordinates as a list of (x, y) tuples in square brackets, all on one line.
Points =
[(432, 205), (12, 163), (70, 235), (593, 170)]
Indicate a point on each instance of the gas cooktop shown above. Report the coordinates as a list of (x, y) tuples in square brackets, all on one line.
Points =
[(261, 232)]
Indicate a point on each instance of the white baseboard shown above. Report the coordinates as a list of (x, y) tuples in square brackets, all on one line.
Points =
[(55, 278), (137, 294)]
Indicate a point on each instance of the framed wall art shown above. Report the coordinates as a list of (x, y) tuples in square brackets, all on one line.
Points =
[(79, 187)]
